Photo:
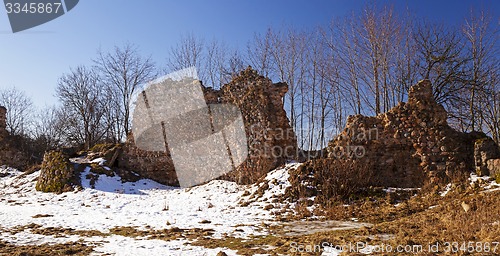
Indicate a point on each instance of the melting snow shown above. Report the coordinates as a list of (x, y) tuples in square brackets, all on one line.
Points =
[(144, 204)]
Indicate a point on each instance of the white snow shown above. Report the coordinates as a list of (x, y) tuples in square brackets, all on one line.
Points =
[(144, 204), (330, 251), (446, 190)]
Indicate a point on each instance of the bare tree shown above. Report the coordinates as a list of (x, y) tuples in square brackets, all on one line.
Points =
[(49, 129), (83, 106), (19, 110), (341, 41), (215, 62), (441, 59), (233, 66), (189, 52), (481, 39), (259, 53), (123, 71)]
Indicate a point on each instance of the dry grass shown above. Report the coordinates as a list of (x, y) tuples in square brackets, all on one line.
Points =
[(74, 248)]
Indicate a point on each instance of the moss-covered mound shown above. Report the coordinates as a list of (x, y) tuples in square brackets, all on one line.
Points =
[(57, 174)]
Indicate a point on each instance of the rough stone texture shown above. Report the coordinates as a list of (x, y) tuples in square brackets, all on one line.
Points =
[(409, 145), (484, 150), (3, 121), (10, 154), (57, 174), (494, 168), (271, 140), (109, 152), (157, 166)]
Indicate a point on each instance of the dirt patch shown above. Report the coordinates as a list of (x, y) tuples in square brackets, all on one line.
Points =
[(75, 248)]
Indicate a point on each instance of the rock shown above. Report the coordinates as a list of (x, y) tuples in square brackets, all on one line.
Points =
[(57, 175), (465, 206)]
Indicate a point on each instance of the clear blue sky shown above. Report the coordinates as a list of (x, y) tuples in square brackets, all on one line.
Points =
[(33, 60)]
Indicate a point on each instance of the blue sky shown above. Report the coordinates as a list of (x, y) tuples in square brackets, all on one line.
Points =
[(33, 60)]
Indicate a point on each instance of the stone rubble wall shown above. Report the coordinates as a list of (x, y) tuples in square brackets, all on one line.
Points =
[(10, 155), (157, 166), (411, 144), (271, 140), (3, 120)]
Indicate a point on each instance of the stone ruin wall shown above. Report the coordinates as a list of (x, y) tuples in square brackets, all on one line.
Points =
[(157, 166), (271, 140), (10, 154), (412, 143), (3, 121)]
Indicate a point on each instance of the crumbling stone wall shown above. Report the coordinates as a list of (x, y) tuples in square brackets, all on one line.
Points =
[(157, 166), (410, 144), (10, 154), (270, 138), (3, 122)]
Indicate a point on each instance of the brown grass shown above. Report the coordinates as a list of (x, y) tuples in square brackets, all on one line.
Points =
[(74, 248)]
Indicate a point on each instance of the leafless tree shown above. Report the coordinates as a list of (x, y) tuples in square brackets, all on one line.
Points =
[(259, 53), (440, 59), (83, 106), (49, 128), (190, 52), (215, 62), (233, 66), (19, 110), (123, 71), (481, 39), (342, 42)]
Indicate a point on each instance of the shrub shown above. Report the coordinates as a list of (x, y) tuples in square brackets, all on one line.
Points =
[(329, 180)]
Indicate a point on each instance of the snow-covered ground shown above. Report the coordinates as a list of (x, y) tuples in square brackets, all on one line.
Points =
[(145, 205)]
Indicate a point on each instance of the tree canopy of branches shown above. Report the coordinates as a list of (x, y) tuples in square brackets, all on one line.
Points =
[(363, 63), (122, 72), (84, 106), (19, 110)]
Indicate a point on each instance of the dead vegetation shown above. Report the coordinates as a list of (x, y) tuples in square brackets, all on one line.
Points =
[(74, 248)]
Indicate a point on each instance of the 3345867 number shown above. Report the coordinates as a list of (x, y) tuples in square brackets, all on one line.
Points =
[(33, 8)]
